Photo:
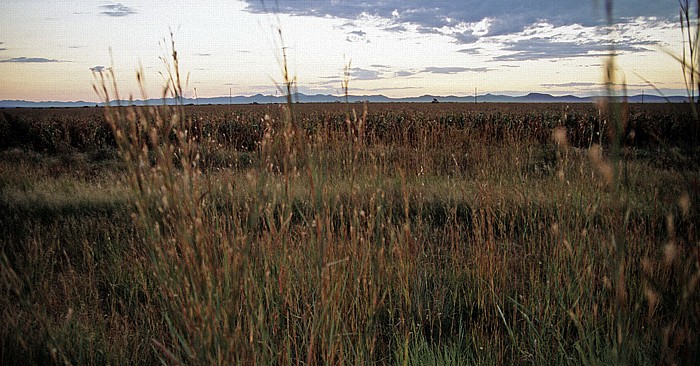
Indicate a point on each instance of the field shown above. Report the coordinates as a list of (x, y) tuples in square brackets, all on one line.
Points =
[(407, 234)]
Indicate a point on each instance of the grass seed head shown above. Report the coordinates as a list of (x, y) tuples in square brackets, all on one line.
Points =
[(559, 135)]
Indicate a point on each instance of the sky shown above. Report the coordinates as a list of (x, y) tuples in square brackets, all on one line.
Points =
[(52, 50)]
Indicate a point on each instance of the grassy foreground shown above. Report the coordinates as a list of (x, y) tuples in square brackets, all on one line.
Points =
[(314, 234)]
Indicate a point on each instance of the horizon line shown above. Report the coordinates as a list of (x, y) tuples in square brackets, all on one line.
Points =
[(341, 96)]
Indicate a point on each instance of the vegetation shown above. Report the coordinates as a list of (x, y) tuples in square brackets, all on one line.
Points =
[(349, 234), (396, 234)]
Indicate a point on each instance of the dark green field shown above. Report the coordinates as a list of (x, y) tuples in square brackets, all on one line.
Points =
[(350, 234)]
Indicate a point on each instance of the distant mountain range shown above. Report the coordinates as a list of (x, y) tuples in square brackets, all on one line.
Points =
[(328, 98)]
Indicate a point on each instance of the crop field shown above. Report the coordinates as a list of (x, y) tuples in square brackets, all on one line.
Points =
[(408, 234)]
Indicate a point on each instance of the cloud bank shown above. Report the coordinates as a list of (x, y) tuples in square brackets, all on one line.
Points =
[(539, 48), (503, 16), (502, 21)]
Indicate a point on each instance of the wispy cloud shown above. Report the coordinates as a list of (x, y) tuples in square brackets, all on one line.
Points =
[(31, 60), (311, 90), (117, 10), (394, 88), (378, 72), (454, 70), (570, 85), (329, 80), (470, 51), (203, 54), (587, 85), (404, 73), (375, 72), (328, 77)]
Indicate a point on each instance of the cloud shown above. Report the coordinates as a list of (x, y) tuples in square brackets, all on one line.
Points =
[(502, 16), (312, 90), (364, 74), (570, 85), (345, 25), (396, 29), (3, 48), (539, 48), (117, 10), (454, 70), (470, 51), (203, 54), (587, 85), (99, 69), (465, 37), (394, 88), (357, 36), (404, 73), (328, 77), (31, 60), (329, 80), (374, 72), (378, 72), (353, 39)]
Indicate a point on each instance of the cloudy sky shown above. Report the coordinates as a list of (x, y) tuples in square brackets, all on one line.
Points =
[(49, 49)]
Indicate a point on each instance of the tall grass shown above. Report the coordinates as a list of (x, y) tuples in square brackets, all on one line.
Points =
[(389, 235), (690, 59), (494, 248)]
